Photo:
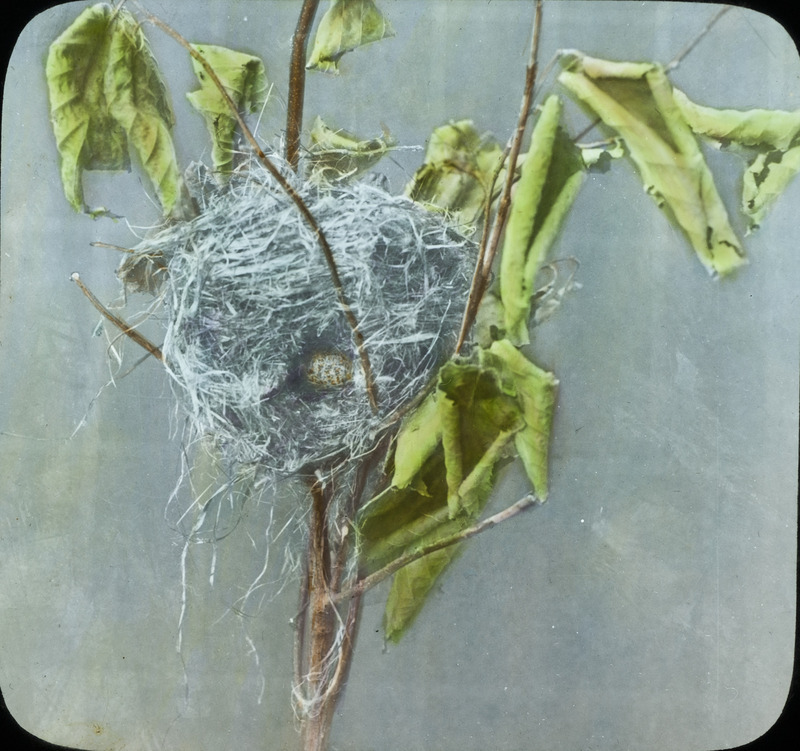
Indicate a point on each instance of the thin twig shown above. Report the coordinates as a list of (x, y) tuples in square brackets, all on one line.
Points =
[(487, 255), (124, 327), (300, 629), (99, 244), (676, 61), (297, 82), (286, 186), (370, 581)]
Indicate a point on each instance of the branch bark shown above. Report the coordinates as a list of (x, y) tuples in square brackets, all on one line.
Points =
[(488, 250), (297, 82)]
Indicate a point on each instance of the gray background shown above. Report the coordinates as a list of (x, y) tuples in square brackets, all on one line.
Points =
[(648, 604)]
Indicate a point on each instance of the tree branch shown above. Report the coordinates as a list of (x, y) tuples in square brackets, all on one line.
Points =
[(297, 82), (487, 253)]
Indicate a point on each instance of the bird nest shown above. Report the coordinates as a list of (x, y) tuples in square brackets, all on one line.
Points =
[(257, 342)]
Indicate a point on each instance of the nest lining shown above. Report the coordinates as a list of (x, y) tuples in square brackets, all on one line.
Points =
[(257, 343)]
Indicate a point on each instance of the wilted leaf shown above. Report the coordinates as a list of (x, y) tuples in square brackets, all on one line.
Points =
[(105, 95), (346, 25), (410, 588), (245, 80), (773, 136), (766, 179), (636, 101), (87, 136), (336, 155), (536, 389), (756, 127), (416, 441), (457, 173), (446, 466), (598, 158), (138, 101), (551, 176)]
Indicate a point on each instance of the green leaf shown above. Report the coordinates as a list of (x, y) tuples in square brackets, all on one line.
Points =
[(410, 588), (346, 25), (756, 127), (478, 418), (774, 136), (446, 467), (636, 101), (87, 136), (551, 176), (106, 96), (138, 100), (245, 81), (337, 156), (597, 158), (536, 389), (456, 176), (416, 441), (766, 179)]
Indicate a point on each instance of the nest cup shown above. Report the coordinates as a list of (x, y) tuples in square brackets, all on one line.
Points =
[(257, 341)]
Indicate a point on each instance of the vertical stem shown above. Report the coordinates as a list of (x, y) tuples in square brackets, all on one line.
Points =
[(490, 244), (319, 571), (297, 82)]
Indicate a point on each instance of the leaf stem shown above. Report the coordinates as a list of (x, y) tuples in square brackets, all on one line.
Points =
[(297, 82), (490, 243)]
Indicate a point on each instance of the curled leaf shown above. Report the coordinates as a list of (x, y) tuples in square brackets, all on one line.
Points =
[(245, 81), (478, 419), (551, 175), (445, 463), (337, 156), (346, 25), (766, 179), (598, 157), (416, 441), (138, 101), (106, 95), (456, 176), (536, 390), (772, 135), (87, 136), (636, 101)]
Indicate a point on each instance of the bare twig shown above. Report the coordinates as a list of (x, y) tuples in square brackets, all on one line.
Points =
[(297, 82), (370, 581), (99, 244), (676, 61), (286, 186), (487, 254), (123, 326)]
